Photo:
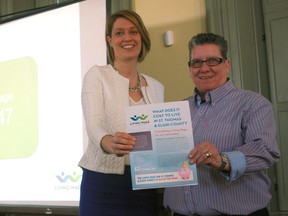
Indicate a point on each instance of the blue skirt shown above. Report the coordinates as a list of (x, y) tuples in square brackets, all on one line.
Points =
[(112, 195)]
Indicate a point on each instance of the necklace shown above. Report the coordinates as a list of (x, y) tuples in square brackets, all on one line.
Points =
[(138, 85)]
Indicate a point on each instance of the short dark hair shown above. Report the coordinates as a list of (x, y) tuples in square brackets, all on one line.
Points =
[(209, 38), (137, 21)]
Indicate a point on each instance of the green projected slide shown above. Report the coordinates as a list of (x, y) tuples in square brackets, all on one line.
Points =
[(18, 108)]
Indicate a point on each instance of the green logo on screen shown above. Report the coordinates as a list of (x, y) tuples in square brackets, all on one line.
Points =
[(18, 108)]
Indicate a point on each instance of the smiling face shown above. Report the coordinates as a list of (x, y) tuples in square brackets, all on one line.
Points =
[(207, 78), (125, 40)]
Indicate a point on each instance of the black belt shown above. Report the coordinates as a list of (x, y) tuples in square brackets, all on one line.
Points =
[(261, 212), (176, 214)]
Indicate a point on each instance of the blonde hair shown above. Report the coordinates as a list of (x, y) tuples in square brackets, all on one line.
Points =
[(137, 21)]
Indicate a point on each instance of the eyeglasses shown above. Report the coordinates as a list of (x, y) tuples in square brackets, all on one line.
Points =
[(197, 63)]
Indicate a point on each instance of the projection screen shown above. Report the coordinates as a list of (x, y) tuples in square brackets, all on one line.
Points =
[(43, 59)]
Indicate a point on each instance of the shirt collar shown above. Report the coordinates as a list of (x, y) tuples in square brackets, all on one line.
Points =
[(215, 95)]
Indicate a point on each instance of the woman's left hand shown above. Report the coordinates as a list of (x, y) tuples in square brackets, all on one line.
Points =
[(205, 153)]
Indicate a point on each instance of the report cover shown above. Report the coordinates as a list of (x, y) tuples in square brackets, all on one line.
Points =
[(164, 139)]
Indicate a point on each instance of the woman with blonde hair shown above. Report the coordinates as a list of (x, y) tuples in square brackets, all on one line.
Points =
[(106, 187)]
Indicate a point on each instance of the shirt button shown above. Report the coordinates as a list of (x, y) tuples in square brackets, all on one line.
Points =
[(187, 193)]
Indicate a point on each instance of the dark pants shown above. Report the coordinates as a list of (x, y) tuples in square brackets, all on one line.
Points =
[(261, 212), (112, 195)]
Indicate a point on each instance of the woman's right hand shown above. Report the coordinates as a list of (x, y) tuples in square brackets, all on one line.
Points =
[(119, 144)]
